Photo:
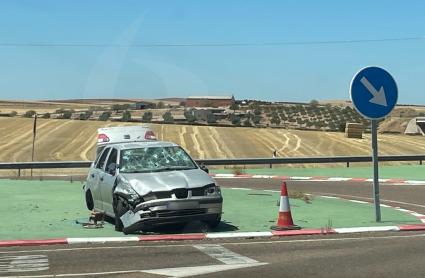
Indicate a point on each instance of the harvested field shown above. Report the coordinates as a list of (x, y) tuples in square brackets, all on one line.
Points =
[(76, 140)]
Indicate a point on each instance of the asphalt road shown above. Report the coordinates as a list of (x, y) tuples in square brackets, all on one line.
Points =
[(387, 254)]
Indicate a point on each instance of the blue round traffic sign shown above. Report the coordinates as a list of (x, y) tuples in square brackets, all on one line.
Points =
[(373, 92)]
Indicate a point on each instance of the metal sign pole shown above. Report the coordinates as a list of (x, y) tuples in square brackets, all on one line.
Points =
[(375, 170)]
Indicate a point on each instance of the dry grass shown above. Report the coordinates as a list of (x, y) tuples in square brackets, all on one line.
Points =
[(76, 140)]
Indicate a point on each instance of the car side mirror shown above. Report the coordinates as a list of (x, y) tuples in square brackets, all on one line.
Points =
[(204, 168), (112, 169)]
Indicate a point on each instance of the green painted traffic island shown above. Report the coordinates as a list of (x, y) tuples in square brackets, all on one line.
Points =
[(39, 210)]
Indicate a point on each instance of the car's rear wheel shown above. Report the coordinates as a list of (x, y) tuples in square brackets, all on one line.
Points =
[(89, 200)]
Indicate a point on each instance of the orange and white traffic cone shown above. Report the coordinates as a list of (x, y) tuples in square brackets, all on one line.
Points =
[(284, 220)]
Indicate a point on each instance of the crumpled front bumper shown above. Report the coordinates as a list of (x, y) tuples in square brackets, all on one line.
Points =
[(170, 211)]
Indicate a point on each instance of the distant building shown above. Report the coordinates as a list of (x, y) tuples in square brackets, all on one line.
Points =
[(209, 101)]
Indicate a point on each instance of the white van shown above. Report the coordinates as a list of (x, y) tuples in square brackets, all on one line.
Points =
[(123, 134), (145, 183)]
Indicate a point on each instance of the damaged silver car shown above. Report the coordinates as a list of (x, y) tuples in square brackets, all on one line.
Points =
[(152, 183)]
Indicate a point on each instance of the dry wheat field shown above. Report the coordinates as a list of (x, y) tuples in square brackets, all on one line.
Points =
[(76, 140)]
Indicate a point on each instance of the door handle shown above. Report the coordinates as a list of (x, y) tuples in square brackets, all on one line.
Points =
[(92, 175), (101, 178)]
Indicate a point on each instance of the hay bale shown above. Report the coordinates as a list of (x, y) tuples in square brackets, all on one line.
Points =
[(354, 130)]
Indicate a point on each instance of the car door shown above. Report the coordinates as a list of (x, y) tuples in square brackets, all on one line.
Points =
[(94, 177), (107, 182)]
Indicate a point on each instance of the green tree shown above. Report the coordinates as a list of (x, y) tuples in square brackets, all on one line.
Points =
[(247, 123), (275, 119), (29, 113), (85, 115), (234, 107), (66, 114), (236, 120), (147, 116), (189, 116), (314, 103), (257, 119), (168, 118), (126, 116), (211, 118), (104, 116)]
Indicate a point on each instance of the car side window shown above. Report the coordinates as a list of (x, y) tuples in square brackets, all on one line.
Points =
[(102, 159), (112, 158)]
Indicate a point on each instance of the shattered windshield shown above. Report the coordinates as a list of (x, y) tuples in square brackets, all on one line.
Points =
[(155, 159)]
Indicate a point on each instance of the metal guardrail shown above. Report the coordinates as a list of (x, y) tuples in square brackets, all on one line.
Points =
[(231, 161)]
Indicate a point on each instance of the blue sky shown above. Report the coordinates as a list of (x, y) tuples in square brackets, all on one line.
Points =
[(98, 49)]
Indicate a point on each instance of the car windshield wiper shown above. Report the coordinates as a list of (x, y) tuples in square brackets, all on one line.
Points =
[(175, 168)]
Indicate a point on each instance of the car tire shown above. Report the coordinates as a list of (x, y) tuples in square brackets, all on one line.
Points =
[(214, 223), (89, 200), (119, 210)]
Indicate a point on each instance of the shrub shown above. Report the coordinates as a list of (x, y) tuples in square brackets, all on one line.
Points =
[(46, 116)]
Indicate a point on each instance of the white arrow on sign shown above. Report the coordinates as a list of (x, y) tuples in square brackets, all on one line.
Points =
[(378, 96)]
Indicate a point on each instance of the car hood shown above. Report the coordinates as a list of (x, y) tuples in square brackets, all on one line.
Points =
[(143, 183)]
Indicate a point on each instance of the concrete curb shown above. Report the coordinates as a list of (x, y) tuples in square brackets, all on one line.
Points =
[(315, 178), (241, 235)]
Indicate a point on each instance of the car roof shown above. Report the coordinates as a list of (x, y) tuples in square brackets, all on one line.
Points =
[(145, 144)]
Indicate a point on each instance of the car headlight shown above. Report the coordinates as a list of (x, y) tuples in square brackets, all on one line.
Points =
[(212, 190), (127, 190)]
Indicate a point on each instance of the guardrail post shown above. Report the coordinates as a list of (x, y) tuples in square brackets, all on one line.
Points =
[(420, 162), (348, 164), (19, 172)]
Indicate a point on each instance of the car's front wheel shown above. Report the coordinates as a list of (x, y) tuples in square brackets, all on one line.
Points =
[(119, 210), (214, 223)]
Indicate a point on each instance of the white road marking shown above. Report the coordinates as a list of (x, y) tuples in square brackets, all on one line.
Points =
[(366, 229), (328, 197), (198, 270), (275, 191), (357, 201), (385, 200), (230, 259), (78, 240), (224, 255), (241, 234), (26, 263)]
